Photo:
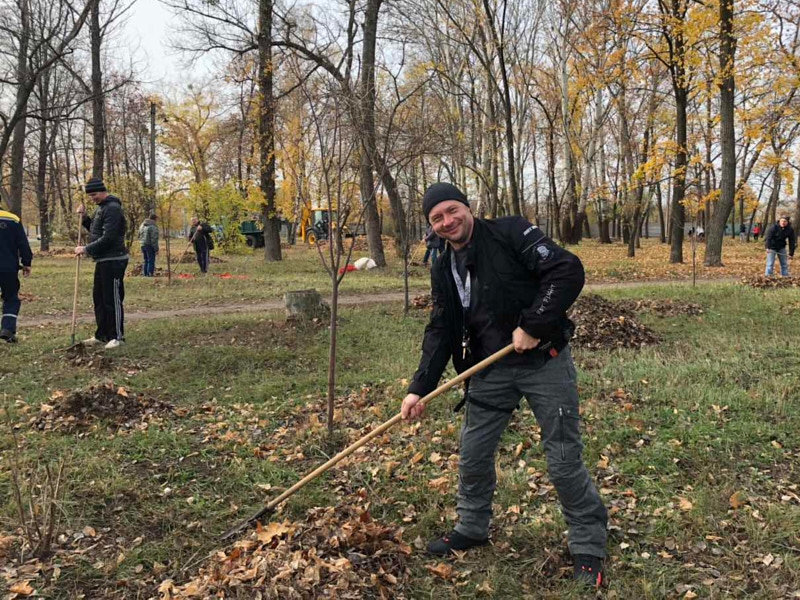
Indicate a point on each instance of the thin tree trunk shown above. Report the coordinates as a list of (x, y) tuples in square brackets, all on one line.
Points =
[(266, 130), (678, 213), (98, 104), (715, 232), (369, 195), (18, 142), (516, 201)]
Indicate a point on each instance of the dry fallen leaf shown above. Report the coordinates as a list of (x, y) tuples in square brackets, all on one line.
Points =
[(440, 483), (89, 531), (485, 588), (270, 532), (737, 500), (684, 504), (442, 570), (23, 588)]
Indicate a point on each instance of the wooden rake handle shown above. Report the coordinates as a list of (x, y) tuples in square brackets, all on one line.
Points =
[(270, 507), (77, 277)]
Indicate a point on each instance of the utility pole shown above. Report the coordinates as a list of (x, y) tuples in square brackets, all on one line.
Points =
[(152, 156)]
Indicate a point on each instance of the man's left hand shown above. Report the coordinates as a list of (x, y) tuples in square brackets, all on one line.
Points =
[(522, 341), (26, 271), (80, 250)]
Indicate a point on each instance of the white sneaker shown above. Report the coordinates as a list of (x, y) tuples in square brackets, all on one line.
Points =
[(92, 341), (114, 344)]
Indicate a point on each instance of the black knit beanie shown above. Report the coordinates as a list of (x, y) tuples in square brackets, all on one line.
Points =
[(441, 192), (95, 184)]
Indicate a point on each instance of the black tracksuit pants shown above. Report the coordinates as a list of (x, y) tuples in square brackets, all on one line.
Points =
[(9, 288), (203, 258), (109, 294)]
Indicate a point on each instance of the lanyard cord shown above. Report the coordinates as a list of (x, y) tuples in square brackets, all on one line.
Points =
[(464, 287)]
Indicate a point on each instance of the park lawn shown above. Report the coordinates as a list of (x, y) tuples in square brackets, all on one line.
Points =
[(606, 263), (239, 279), (49, 291), (693, 444)]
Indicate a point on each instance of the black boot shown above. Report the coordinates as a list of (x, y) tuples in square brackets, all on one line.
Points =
[(588, 570), (8, 336), (453, 541)]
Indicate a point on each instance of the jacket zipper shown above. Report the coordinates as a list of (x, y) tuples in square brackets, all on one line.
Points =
[(561, 430)]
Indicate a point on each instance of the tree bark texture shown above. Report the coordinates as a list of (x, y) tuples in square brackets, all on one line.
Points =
[(716, 230), (98, 104), (266, 132), (369, 195)]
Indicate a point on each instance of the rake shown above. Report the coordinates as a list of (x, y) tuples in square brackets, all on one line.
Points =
[(270, 507)]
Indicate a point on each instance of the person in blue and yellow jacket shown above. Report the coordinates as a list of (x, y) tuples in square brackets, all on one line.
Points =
[(15, 254)]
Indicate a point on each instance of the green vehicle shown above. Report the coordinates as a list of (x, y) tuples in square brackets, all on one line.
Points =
[(253, 233)]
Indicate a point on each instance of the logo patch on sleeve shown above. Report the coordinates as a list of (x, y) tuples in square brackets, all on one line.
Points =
[(544, 253)]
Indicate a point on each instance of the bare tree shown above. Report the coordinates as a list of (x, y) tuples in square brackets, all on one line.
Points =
[(44, 34)]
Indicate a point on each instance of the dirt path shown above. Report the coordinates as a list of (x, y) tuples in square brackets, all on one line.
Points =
[(277, 304)]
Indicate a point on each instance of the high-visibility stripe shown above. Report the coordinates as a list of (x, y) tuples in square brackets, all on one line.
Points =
[(117, 309), (10, 316), (4, 214)]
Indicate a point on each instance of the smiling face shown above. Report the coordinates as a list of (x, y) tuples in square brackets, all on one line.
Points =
[(98, 197), (453, 221)]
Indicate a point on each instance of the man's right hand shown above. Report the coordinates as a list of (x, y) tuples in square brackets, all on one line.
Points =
[(26, 271), (81, 210), (411, 408)]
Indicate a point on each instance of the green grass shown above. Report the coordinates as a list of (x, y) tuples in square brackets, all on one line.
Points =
[(711, 411), (53, 278)]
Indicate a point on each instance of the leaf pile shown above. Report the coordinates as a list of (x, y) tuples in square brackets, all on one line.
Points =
[(423, 301), (602, 324), (337, 552), (137, 270), (663, 308), (104, 402), (766, 283)]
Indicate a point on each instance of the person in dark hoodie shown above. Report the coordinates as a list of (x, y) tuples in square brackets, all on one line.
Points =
[(107, 249), (15, 254), (200, 234), (502, 281), (775, 242)]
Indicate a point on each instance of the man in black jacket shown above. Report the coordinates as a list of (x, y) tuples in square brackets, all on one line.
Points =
[(201, 236), (502, 281), (775, 242), (15, 254), (107, 249)]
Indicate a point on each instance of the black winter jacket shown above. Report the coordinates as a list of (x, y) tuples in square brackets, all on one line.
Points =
[(106, 231), (202, 240), (14, 246), (522, 278), (777, 237)]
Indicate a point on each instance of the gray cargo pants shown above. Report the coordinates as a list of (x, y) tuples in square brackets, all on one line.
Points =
[(552, 394)]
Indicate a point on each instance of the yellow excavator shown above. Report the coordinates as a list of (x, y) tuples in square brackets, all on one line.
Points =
[(315, 225)]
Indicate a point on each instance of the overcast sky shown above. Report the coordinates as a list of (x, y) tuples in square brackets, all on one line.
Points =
[(149, 29)]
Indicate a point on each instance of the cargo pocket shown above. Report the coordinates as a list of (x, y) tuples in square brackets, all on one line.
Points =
[(569, 432)]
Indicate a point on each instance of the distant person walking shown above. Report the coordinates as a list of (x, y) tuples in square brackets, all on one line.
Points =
[(107, 249), (743, 232), (148, 240), (201, 237), (433, 245), (15, 254), (775, 242), (756, 231)]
